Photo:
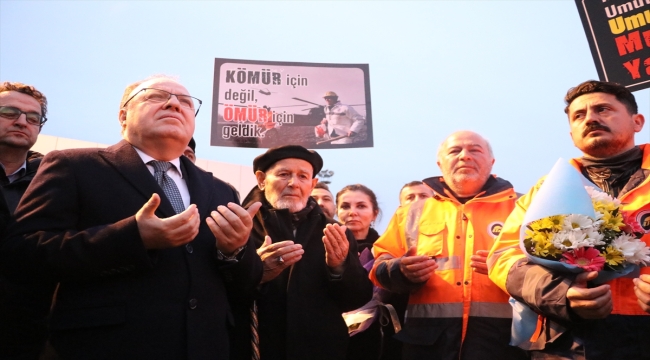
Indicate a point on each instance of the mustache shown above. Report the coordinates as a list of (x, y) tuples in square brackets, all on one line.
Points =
[(594, 127)]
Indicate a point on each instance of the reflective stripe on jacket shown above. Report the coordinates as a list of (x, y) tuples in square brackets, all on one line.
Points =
[(451, 232)]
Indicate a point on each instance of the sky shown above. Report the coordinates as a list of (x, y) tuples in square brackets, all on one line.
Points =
[(499, 68)]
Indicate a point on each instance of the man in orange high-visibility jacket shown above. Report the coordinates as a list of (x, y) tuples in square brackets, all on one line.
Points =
[(455, 311), (579, 320)]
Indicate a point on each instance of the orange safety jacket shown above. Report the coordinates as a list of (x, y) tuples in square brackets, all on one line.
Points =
[(506, 253), (451, 232)]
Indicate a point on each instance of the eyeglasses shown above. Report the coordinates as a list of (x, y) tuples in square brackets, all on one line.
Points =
[(12, 113), (161, 96)]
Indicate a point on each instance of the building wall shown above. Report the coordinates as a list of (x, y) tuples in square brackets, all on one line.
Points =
[(239, 176)]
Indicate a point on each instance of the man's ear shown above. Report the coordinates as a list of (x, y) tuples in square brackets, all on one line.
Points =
[(639, 121), (121, 116), (313, 184), (260, 176)]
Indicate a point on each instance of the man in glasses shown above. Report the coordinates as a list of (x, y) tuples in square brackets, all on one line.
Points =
[(22, 115), (146, 247), (23, 307)]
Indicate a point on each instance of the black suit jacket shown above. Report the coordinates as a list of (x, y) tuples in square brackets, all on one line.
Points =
[(116, 300)]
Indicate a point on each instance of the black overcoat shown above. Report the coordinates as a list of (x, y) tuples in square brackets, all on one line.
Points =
[(116, 300), (300, 310)]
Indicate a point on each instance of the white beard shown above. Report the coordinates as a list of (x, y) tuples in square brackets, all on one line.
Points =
[(293, 206)]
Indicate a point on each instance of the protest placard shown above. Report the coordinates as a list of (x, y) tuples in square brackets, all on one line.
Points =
[(618, 32), (263, 104)]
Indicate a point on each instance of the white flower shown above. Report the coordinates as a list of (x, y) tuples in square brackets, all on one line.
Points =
[(594, 237), (593, 192), (605, 198), (598, 218), (572, 239), (577, 221), (634, 250), (559, 239)]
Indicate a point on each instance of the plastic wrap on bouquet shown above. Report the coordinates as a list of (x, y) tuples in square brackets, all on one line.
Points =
[(562, 193), (412, 228)]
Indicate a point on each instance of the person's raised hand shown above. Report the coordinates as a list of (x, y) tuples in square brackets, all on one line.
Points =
[(478, 261), (417, 268), (278, 256), (157, 233), (336, 246), (231, 226)]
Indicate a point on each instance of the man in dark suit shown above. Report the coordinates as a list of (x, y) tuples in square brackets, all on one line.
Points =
[(145, 257), (23, 307)]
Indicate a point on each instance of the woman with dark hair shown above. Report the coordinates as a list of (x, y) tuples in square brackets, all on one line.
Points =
[(357, 209)]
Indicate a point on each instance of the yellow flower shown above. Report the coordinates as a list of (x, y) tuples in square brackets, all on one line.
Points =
[(552, 250), (540, 249), (552, 223), (612, 222), (530, 233), (604, 206), (558, 221), (613, 256), (538, 225), (543, 247)]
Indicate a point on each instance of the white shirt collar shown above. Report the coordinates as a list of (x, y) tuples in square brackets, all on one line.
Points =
[(146, 158)]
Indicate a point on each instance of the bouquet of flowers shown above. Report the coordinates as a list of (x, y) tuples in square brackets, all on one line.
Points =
[(570, 226), (604, 242)]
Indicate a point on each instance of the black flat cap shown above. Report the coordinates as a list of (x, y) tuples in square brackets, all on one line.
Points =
[(273, 155), (192, 144)]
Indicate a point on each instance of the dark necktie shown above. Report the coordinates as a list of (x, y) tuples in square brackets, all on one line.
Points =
[(167, 184)]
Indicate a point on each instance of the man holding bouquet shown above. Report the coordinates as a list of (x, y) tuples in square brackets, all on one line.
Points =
[(577, 318)]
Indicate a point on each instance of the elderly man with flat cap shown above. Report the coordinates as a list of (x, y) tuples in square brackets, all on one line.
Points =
[(311, 270)]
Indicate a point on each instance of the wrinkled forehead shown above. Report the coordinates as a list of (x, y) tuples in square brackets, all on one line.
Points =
[(293, 165), (466, 141), (170, 85), (17, 99)]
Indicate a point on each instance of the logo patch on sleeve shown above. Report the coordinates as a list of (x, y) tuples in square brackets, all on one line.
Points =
[(643, 218), (494, 228)]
